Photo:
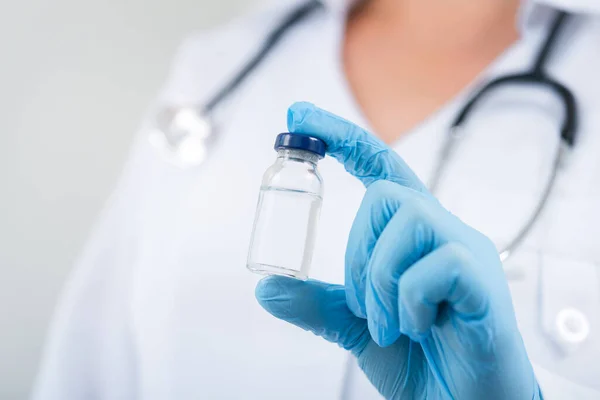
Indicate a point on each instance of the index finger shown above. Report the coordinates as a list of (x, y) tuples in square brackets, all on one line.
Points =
[(362, 154)]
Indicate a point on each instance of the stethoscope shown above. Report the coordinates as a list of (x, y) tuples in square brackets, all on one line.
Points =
[(184, 134)]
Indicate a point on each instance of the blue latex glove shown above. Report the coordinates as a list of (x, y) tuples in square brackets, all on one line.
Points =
[(425, 307)]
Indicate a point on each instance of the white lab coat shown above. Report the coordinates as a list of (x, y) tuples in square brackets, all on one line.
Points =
[(161, 306)]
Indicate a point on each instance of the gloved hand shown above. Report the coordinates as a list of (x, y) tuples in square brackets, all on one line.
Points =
[(425, 307)]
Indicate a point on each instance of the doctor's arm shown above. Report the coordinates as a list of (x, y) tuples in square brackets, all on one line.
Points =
[(425, 308), (88, 353)]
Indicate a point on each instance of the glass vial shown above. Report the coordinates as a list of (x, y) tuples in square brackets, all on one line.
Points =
[(289, 204)]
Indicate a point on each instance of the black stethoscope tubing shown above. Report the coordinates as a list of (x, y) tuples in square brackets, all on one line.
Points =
[(273, 38), (537, 76)]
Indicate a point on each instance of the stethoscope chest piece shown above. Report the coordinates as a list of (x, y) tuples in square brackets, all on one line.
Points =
[(182, 135)]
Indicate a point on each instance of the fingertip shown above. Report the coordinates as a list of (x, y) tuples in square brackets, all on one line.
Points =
[(355, 306), (418, 330), (273, 288), (417, 336), (276, 295), (376, 333), (296, 114), (389, 339), (266, 288), (381, 333)]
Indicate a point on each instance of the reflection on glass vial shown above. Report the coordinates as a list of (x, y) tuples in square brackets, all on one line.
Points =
[(289, 204)]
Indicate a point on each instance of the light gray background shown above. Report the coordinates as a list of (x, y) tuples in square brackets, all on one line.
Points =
[(75, 78)]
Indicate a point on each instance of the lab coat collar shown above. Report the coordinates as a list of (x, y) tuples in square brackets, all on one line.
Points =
[(528, 6)]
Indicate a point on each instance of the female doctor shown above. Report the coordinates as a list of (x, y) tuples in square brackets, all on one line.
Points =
[(161, 307)]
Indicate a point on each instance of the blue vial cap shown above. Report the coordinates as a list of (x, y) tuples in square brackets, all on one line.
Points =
[(300, 142)]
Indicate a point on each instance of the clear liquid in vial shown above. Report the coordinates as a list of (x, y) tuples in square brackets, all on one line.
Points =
[(284, 233)]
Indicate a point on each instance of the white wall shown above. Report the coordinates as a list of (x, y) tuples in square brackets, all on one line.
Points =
[(75, 77)]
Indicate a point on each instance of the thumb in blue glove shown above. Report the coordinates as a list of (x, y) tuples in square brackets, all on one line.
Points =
[(425, 307)]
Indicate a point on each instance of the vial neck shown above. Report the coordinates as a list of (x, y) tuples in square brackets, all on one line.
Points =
[(298, 155)]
